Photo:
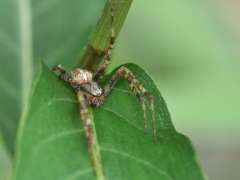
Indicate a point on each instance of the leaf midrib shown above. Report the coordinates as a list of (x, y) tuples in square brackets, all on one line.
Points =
[(26, 47)]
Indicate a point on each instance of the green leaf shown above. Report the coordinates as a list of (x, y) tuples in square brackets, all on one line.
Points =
[(52, 145), (55, 31)]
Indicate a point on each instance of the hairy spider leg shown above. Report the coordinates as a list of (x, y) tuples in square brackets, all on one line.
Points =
[(83, 100), (85, 115), (85, 118), (89, 133), (139, 91), (108, 53), (61, 72)]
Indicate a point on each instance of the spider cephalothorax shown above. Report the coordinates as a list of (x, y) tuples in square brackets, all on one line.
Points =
[(83, 79), (81, 76)]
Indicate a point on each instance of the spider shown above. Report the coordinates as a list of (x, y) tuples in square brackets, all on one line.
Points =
[(86, 85)]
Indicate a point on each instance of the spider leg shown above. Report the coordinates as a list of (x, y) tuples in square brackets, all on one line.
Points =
[(89, 133), (138, 90), (141, 99), (108, 53), (86, 119), (83, 101), (62, 74)]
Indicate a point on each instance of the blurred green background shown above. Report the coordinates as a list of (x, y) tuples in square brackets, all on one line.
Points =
[(191, 49)]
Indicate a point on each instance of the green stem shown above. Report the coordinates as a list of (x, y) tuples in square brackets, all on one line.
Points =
[(100, 39)]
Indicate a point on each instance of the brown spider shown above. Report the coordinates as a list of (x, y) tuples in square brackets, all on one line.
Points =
[(85, 83)]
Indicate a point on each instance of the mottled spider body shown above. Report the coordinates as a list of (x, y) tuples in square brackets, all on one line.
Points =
[(83, 83), (86, 85), (82, 80)]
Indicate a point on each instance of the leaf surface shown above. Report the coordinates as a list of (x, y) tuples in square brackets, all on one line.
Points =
[(52, 145)]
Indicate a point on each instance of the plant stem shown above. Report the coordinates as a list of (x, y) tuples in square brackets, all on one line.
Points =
[(99, 41)]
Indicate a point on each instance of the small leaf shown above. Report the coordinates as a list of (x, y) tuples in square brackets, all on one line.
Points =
[(52, 145)]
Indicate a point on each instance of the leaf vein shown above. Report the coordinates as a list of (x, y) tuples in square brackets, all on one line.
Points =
[(53, 138), (121, 117), (123, 90), (137, 159), (78, 173), (67, 100)]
